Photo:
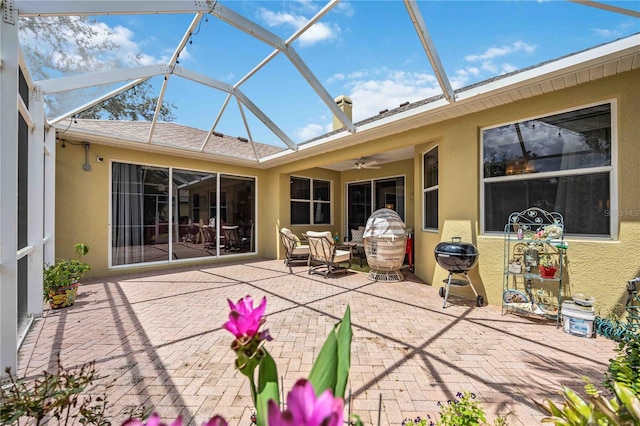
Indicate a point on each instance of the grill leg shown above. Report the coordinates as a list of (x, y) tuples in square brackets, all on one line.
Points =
[(446, 291)]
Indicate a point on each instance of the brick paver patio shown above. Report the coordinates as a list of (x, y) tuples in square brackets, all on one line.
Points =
[(157, 339)]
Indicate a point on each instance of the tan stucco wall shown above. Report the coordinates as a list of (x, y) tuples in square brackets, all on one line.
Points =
[(82, 199), (596, 267)]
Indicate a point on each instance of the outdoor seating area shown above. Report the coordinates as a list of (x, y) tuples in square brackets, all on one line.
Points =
[(153, 351), (325, 256)]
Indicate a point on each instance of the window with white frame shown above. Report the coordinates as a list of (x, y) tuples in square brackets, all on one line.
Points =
[(430, 188), (310, 201), (560, 162)]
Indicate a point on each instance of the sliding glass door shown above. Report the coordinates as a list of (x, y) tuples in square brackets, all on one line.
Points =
[(364, 197), (163, 214)]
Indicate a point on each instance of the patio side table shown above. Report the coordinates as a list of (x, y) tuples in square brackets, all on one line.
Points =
[(357, 249)]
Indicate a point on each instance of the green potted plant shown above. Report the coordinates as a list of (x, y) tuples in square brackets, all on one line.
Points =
[(60, 281), (547, 266)]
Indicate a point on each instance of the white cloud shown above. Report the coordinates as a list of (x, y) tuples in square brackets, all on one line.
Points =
[(318, 32), (77, 43), (507, 68), (601, 32), (487, 64), (387, 90), (373, 91), (495, 52), (490, 67), (310, 131)]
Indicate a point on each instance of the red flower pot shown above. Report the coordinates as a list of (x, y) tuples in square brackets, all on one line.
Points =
[(547, 271)]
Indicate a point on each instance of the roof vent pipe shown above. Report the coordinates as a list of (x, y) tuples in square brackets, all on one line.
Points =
[(344, 103)]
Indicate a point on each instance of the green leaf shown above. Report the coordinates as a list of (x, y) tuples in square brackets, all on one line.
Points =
[(323, 371), (604, 410), (578, 404), (267, 387), (344, 354), (556, 421), (629, 400)]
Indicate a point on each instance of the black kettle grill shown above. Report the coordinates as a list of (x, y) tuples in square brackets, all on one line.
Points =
[(457, 258)]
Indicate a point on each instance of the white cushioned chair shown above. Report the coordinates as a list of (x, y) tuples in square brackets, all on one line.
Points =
[(295, 251), (324, 256)]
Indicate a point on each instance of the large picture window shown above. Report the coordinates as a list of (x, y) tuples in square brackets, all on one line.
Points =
[(310, 201), (162, 214), (560, 163), (430, 188)]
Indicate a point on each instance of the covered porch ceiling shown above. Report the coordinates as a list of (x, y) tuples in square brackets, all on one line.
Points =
[(619, 56)]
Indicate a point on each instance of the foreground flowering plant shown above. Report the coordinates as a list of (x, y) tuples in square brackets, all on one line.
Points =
[(306, 409), (155, 420), (316, 401)]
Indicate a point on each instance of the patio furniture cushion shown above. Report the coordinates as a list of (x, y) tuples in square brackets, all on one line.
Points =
[(325, 257), (294, 249)]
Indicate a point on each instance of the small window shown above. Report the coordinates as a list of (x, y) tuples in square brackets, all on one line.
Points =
[(304, 209), (430, 189)]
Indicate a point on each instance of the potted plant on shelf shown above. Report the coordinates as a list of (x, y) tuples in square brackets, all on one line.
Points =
[(60, 281), (547, 266)]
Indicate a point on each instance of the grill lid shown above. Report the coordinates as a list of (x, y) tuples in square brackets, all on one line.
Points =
[(456, 256), (456, 248)]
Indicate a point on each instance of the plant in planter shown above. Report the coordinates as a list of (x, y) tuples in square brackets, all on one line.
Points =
[(547, 266), (60, 281)]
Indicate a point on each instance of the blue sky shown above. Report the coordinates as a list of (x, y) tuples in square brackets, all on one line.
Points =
[(367, 50)]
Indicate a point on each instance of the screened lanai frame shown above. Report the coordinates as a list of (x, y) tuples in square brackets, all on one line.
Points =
[(124, 79), (23, 122)]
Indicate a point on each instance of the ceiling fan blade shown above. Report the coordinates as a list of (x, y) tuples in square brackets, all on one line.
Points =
[(360, 164)]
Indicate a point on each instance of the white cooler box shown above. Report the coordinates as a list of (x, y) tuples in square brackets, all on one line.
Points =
[(578, 320)]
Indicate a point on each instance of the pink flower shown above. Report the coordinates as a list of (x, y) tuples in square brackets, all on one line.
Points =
[(154, 420), (244, 319), (303, 409), (215, 421)]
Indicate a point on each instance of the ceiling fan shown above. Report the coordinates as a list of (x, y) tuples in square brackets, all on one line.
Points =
[(360, 164)]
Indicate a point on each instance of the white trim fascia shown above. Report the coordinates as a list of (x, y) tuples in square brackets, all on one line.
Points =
[(38, 8), (582, 60)]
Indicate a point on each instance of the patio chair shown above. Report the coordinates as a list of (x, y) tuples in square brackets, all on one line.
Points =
[(325, 258), (209, 234), (295, 251), (232, 239)]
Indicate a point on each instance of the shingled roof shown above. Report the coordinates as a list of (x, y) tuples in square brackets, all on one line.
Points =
[(169, 135)]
